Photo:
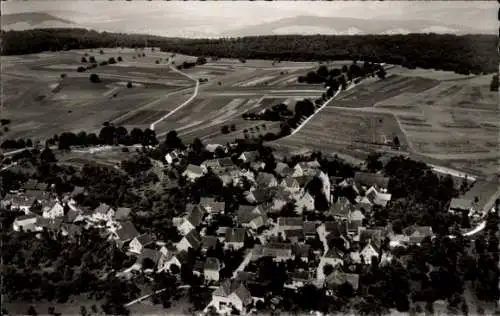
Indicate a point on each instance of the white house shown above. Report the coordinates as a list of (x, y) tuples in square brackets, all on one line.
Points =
[(138, 243), (306, 201), (249, 156), (173, 157), (230, 294), (167, 260), (291, 185), (325, 180), (191, 240), (193, 172), (103, 212), (235, 238), (57, 210), (25, 222), (366, 253), (333, 257)]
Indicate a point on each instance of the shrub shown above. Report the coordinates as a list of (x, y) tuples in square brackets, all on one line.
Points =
[(81, 69), (129, 85), (94, 78)]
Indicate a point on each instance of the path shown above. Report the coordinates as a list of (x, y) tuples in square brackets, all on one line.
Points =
[(195, 93), (243, 264)]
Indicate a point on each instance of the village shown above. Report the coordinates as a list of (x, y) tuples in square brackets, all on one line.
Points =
[(278, 219)]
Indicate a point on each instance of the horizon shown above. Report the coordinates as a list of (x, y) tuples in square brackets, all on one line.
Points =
[(211, 19)]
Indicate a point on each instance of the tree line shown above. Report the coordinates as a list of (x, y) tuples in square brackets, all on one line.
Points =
[(463, 54)]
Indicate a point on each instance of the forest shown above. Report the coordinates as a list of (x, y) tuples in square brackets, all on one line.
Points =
[(463, 54)]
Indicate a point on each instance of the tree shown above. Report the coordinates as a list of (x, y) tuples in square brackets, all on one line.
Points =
[(94, 78), (47, 156), (32, 311), (84, 60), (396, 142), (224, 129), (327, 269), (101, 52), (63, 76), (81, 69), (111, 60), (119, 59), (233, 127), (129, 84), (381, 73), (83, 311), (494, 83), (92, 60)]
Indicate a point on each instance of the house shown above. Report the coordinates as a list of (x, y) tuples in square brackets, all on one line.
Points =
[(288, 223), (281, 198), (211, 269), (168, 260), (235, 238), (77, 191), (245, 174), (369, 179), (125, 233), (249, 156), (54, 211), (279, 251), (304, 203), (230, 294), (151, 255), (192, 221), (17, 201), (208, 242), (52, 225), (398, 240), (193, 172), (191, 240), (298, 279), (341, 209), (366, 254), (310, 229), (122, 213), (259, 195), (372, 196), (211, 206), (355, 220), (140, 242), (308, 168), (417, 233), (371, 235), (294, 235), (333, 257), (283, 170), (218, 165), (198, 267), (458, 205), (25, 223), (173, 156), (250, 217), (291, 185), (212, 147), (338, 278), (266, 180), (71, 231), (301, 251), (71, 216), (103, 212)]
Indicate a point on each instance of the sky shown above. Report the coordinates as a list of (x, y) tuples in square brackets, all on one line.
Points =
[(217, 15)]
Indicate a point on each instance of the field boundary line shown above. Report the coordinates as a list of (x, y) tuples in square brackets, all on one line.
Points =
[(195, 94)]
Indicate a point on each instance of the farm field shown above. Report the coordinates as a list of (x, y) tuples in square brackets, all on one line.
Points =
[(451, 121)]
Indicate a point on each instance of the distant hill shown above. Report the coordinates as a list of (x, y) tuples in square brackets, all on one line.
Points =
[(309, 25), (32, 20)]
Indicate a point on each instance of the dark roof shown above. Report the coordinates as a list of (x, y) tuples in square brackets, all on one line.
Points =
[(371, 179), (244, 276), (334, 253), (235, 235), (72, 230), (127, 231), (294, 233), (301, 250), (36, 194), (145, 239), (336, 229), (262, 194), (30, 184), (42, 186), (211, 203), (304, 180), (246, 214), (153, 255), (70, 216), (194, 169), (77, 190), (310, 228), (195, 217), (209, 242), (291, 221), (257, 290), (283, 169), (374, 236), (338, 278), (291, 182), (194, 239), (122, 213), (251, 155)]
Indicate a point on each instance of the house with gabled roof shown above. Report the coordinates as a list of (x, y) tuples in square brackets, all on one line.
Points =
[(304, 203), (249, 156), (125, 233), (280, 199), (218, 165), (193, 172), (371, 235), (366, 255), (211, 205), (191, 240), (310, 229), (140, 242), (230, 294), (369, 179), (301, 251), (417, 233), (294, 235), (250, 217), (235, 238), (266, 180), (291, 185), (374, 197), (333, 257), (193, 220), (341, 209), (208, 242), (17, 201), (167, 260), (211, 269), (173, 157), (103, 212), (306, 168), (278, 251), (283, 170), (260, 195), (54, 210), (288, 223), (122, 213)]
